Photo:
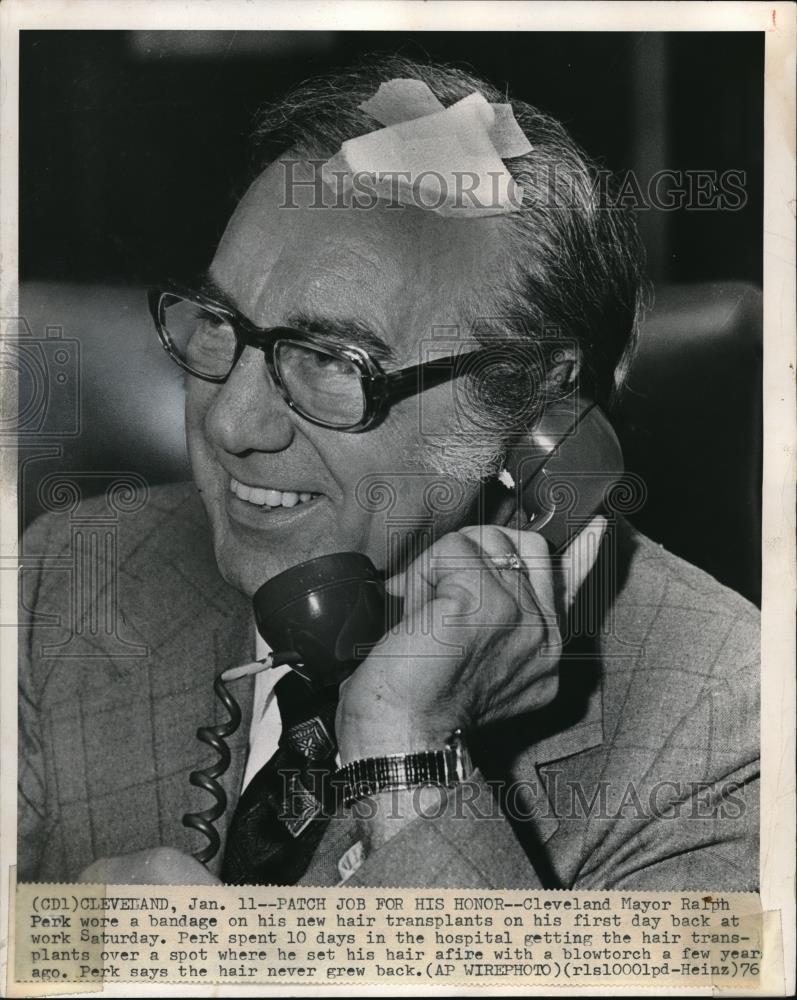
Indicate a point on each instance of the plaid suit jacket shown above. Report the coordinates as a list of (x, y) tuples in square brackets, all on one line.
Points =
[(643, 773)]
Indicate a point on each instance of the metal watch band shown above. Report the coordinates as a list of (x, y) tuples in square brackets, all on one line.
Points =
[(447, 767)]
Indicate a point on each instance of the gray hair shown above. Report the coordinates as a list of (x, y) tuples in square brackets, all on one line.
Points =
[(574, 262)]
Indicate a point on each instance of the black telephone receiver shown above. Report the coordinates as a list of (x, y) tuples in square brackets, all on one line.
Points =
[(330, 611)]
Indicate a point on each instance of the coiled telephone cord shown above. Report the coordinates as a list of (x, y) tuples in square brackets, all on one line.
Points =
[(215, 737)]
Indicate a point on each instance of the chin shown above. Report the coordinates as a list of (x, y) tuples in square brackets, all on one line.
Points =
[(247, 559), (245, 581), (243, 568)]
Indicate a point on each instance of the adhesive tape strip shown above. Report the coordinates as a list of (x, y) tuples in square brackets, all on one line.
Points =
[(446, 160)]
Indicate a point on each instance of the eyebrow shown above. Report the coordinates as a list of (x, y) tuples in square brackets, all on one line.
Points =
[(207, 286), (348, 332)]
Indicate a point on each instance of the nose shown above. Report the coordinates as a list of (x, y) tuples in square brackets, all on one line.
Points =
[(248, 412)]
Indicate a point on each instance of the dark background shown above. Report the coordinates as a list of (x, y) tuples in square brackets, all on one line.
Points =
[(132, 143)]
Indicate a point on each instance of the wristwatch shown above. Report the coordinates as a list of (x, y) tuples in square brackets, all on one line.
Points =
[(447, 767)]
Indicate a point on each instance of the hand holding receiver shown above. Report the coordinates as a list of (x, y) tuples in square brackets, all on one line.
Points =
[(479, 640)]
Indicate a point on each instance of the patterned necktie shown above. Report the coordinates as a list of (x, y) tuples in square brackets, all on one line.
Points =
[(284, 810)]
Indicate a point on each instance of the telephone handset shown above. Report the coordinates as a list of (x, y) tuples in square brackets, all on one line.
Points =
[(331, 610)]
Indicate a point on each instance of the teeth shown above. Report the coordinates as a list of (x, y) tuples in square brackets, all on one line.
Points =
[(268, 498)]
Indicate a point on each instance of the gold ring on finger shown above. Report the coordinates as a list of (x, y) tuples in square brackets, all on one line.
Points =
[(510, 560)]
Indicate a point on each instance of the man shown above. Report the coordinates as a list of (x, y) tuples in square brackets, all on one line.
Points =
[(626, 760)]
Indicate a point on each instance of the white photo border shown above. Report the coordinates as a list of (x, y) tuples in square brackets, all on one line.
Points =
[(777, 21)]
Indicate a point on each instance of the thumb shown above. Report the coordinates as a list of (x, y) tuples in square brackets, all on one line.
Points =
[(575, 563)]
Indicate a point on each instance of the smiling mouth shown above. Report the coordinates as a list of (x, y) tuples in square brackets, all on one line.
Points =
[(269, 499)]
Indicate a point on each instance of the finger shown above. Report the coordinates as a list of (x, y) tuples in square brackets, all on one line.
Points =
[(448, 568), (494, 539), (535, 556), (501, 563), (529, 545), (532, 588)]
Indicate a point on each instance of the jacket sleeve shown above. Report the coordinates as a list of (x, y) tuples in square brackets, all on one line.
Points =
[(713, 847), (467, 843), (690, 817)]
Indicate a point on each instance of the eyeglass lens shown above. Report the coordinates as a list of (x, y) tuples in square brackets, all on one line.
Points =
[(322, 385)]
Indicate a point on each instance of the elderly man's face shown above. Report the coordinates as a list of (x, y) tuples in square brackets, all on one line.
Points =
[(397, 271)]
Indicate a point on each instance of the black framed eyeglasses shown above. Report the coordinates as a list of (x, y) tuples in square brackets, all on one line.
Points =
[(329, 384)]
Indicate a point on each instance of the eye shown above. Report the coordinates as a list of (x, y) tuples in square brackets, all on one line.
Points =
[(209, 342), (330, 364), (320, 384), (211, 330)]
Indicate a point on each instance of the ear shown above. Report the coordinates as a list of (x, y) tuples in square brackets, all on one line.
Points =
[(575, 563), (562, 374)]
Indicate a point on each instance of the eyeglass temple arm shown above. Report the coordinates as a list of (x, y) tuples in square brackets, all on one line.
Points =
[(427, 374)]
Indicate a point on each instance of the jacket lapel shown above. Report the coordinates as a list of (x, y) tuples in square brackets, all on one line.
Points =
[(215, 632)]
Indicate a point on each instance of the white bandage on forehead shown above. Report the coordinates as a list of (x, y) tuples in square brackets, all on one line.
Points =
[(445, 160)]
